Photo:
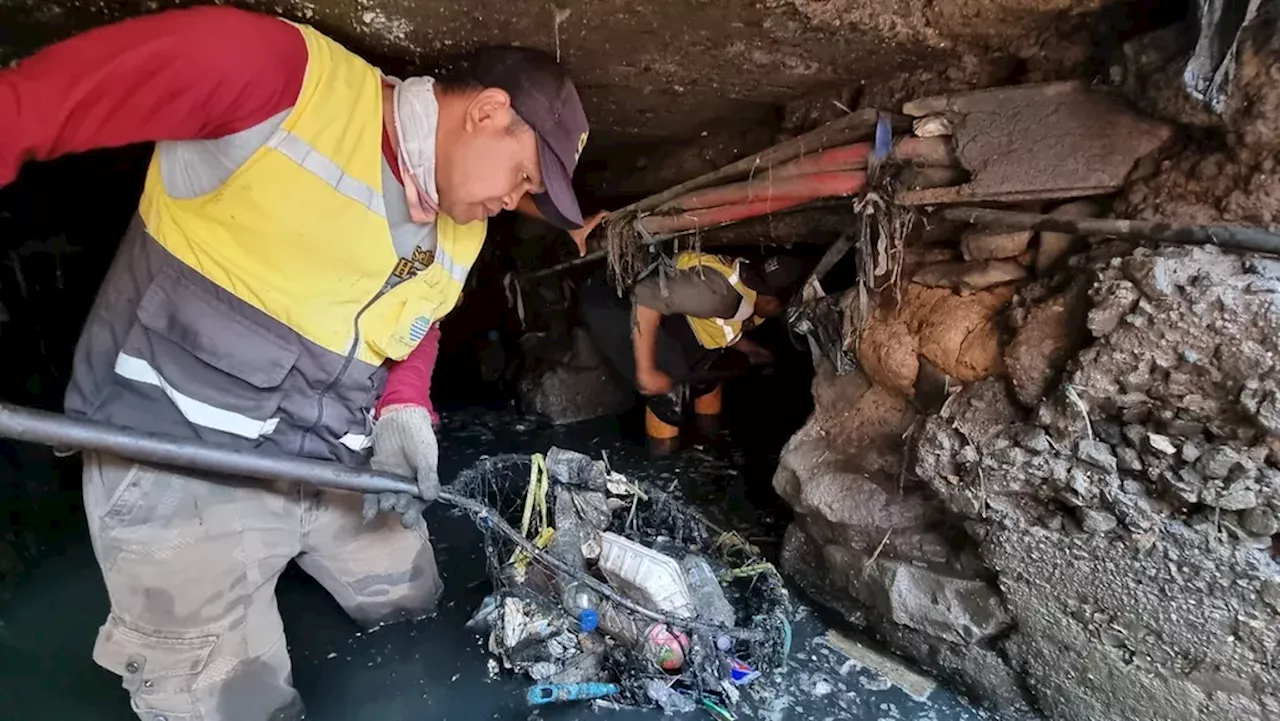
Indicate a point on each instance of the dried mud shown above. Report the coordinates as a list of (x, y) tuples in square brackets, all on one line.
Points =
[(1226, 168), (959, 336)]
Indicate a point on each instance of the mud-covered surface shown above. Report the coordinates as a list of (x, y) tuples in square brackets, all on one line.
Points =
[(437, 668), (573, 384), (1226, 168), (1095, 531), (872, 541), (1053, 140)]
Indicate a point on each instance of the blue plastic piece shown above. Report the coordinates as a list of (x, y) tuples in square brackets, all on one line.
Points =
[(548, 693), (740, 673), (884, 138), (588, 620)]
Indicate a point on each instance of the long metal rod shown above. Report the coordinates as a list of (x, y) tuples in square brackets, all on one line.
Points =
[(61, 432), (1234, 237), (750, 232), (485, 516)]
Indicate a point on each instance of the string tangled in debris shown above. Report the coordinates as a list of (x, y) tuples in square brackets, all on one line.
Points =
[(880, 252), (628, 254), (633, 254)]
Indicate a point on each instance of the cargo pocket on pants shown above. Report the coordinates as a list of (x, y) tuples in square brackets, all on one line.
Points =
[(159, 672)]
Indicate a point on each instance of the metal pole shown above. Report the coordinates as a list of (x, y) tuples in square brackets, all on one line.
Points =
[(1232, 237), (61, 432)]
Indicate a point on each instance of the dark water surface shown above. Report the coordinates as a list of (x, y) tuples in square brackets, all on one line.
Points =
[(436, 668)]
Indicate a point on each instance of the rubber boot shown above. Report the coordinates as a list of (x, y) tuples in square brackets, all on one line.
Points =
[(663, 438), (706, 409)]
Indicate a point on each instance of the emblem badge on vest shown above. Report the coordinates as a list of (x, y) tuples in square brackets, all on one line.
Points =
[(418, 329), (421, 259)]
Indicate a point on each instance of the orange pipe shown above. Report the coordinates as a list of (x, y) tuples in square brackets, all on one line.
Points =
[(910, 150), (792, 184), (813, 185)]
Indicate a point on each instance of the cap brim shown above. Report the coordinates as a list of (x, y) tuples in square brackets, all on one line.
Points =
[(559, 204)]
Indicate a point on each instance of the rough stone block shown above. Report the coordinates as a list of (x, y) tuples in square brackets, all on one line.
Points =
[(576, 389), (961, 610), (980, 245)]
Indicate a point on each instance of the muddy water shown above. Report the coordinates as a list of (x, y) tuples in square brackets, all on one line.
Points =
[(436, 668)]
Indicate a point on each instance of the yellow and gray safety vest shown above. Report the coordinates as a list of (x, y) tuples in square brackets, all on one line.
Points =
[(720, 332), (257, 309)]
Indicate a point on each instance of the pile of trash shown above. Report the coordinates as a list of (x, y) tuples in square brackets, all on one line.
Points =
[(613, 591)]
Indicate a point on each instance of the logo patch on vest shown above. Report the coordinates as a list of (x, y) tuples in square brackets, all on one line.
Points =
[(421, 259), (418, 329)]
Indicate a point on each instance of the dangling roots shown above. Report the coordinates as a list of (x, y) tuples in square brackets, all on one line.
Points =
[(632, 254), (883, 228), (628, 254)]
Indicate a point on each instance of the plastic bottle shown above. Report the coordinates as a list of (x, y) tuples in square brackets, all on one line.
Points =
[(576, 469), (707, 594), (657, 641), (620, 625), (583, 604)]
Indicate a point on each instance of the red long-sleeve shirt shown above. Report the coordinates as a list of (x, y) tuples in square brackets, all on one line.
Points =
[(193, 74)]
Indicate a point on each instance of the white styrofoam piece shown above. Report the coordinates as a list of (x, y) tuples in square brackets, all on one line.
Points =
[(645, 575)]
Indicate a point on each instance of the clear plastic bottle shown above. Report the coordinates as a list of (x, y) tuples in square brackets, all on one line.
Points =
[(665, 647), (583, 604), (707, 594)]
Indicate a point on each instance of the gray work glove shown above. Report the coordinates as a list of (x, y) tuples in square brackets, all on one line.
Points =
[(404, 443)]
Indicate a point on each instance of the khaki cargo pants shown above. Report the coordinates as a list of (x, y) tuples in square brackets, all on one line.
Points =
[(191, 567)]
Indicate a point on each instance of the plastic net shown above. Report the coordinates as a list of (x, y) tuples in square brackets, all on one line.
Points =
[(609, 588)]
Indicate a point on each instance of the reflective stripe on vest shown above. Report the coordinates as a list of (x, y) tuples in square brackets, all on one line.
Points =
[(718, 332), (297, 150), (299, 231), (196, 411)]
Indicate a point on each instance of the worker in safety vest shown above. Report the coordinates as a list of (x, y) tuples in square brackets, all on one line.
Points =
[(305, 223), (676, 327)]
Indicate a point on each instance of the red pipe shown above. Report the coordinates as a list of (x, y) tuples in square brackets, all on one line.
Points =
[(814, 185), (826, 174), (910, 150), (706, 218), (846, 157)]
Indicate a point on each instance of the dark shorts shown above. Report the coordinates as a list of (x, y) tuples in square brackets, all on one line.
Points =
[(609, 319)]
